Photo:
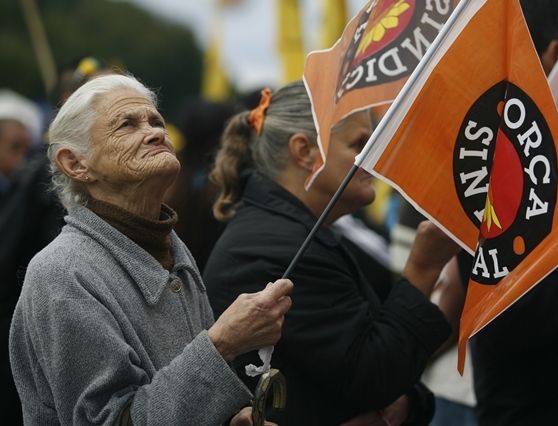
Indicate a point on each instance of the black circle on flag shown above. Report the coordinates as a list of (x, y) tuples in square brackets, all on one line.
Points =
[(389, 40), (504, 169)]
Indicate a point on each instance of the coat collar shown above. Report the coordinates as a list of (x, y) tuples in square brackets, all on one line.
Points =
[(266, 194), (146, 272)]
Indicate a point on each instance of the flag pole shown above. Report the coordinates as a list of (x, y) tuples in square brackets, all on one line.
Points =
[(279, 390), (379, 130), (406, 89), (320, 220), (40, 43)]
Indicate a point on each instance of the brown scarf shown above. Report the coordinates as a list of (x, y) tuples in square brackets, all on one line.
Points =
[(151, 235)]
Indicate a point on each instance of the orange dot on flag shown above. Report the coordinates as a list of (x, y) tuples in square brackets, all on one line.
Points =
[(500, 108), (519, 245)]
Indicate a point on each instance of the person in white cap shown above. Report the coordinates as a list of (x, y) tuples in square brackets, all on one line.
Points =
[(20, 127)]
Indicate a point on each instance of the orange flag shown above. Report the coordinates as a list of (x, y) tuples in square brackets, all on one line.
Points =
[(369, 64), (471, 142)]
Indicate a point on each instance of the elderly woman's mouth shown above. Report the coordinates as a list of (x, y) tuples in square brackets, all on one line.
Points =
[(154, 150)]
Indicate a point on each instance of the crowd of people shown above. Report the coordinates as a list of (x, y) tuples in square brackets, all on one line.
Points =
[(141, 268)]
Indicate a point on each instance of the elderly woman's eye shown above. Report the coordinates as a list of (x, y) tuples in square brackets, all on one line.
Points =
[(124, 124)]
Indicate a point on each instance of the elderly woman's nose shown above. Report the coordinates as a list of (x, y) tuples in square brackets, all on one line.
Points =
[(155, 135)]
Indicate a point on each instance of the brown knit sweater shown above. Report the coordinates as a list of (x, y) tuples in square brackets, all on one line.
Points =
[(151, 235)]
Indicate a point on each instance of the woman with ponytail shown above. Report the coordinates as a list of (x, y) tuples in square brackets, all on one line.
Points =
[(348, 355)]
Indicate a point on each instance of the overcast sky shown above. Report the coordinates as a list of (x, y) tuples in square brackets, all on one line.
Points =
[(248, 33)]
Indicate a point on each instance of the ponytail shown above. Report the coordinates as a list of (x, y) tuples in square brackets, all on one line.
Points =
[(260, 144), (233, 158)]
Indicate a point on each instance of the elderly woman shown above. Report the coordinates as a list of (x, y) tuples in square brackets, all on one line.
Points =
[(113, 325), (347, 352)]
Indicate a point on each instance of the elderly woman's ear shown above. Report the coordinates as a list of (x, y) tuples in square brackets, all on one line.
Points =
[(71, 165)]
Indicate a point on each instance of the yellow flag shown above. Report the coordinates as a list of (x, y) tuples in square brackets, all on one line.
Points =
[(289, 40), (215, 84), (334, 19), (377, 210)]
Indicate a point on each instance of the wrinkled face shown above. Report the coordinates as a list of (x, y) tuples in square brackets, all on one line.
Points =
[(14, 145), (129, 141), (347, 140)]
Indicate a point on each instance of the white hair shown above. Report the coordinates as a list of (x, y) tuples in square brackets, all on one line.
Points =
[(72, 126)]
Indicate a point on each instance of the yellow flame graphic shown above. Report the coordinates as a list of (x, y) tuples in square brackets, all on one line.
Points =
[(490, 216), (389, 20)]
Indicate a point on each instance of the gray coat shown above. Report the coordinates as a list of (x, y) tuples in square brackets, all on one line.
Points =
[(100, 325)]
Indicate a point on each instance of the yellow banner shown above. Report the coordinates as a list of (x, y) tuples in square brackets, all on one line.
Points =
[(290, 43)]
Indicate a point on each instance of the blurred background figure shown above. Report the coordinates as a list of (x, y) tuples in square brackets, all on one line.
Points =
[(20, 132), (199, 124), (20, 128), (30, 214), (76, 73)]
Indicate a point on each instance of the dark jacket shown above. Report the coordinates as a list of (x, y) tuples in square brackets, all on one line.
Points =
[(515, 357), (343, 351), (30, 217)]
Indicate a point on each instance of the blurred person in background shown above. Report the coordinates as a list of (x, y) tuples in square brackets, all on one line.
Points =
[(75, 74), (20, 130), (201, 122), (30, 214)]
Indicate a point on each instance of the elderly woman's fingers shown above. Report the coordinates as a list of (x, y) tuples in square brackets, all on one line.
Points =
[(252, 321), (284, 304), (275, 291)]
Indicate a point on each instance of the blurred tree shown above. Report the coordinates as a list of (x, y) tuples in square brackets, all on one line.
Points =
[(162, 54)]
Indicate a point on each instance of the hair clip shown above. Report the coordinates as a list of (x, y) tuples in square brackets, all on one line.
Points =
[(257, 115)]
